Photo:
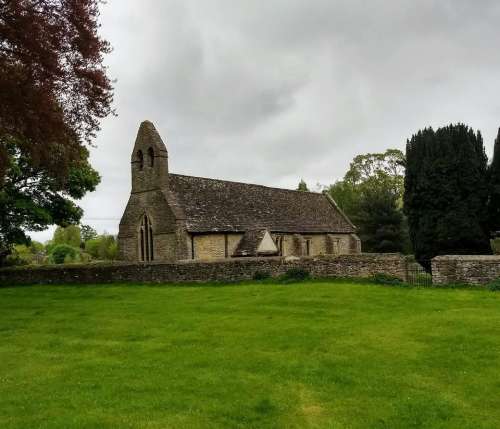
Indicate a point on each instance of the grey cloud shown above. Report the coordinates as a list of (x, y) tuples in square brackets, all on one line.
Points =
[(273, 91)]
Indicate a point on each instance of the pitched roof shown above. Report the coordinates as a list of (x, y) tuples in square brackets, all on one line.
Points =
[(211, 205)]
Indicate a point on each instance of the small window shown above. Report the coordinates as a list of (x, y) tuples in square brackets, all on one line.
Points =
[(308, 247), (140, 159), (279, 244), (151, 157), (146, 246)]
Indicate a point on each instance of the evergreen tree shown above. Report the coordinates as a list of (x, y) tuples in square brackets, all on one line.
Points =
[(302, 186), (494, 189), (446, 192)]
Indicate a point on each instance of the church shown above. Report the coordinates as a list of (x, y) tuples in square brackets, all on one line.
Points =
[(171, 217)]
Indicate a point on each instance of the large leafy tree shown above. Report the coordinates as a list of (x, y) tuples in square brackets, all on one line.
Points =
[(446, 191), (53, 90), (387, 167), (494, 189), (371, 195)]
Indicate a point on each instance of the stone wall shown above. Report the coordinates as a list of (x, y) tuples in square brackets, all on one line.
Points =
[(473, 269), (209, 246), (213, 245), (361, 265), (320, 244)]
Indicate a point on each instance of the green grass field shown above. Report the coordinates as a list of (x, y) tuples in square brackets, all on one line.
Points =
[(309, 355)]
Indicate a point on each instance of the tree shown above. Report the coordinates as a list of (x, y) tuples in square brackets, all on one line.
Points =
[(446, 192), (69, 235), (102, 247), (494, 189), (31, 200), (87, 233), (371, 194), (302, 186), (388, 166), (54, 91), (347, 195), (381, 219)]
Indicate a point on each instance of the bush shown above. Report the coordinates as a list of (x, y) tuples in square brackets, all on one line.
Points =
[(22, 254), (64, 253), (296, 274), (494, 285), (386, 279), (495, 246), (261, 275)]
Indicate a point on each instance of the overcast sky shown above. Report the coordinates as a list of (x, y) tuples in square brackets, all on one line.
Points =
[(273, 91)]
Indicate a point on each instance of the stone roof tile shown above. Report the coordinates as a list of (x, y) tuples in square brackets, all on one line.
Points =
[(212, 205)]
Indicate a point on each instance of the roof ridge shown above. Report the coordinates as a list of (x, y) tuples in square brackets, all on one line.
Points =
[(250, 184)]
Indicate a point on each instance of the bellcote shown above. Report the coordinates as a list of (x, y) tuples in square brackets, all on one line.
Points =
[(149, 160)]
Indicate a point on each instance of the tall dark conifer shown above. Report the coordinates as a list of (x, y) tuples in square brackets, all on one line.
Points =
[(446, 192), (494, 183)]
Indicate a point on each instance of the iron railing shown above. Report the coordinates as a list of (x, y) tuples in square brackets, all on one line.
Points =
[(417, 275)]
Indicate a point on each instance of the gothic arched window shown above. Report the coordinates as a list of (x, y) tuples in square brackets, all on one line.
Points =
[(140, 159), (146, 247), (151, 156)]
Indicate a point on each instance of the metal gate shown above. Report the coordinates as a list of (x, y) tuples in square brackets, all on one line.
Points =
[(416, 274)]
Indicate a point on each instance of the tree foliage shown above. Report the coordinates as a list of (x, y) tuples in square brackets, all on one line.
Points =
[(54, 90), (302, 186), (494, 189), (30, 199), (70, 235), (87, 233), (103, 247), (371, 196), (446, 192), (380, 218), (22, 254), (388, 166)]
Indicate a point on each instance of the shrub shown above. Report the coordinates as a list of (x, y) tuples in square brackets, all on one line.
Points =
[(495, 246), (296, 274), (22, 254), (494, 285), (63, 253), (261, 275), (386, 279)]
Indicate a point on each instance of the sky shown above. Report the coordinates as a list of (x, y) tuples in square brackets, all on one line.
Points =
[(273, 91)]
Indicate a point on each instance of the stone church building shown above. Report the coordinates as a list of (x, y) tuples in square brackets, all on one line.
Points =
[(174, 217)]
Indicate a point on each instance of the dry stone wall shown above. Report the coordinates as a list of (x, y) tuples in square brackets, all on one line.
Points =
[(361, 265), (472, 269)]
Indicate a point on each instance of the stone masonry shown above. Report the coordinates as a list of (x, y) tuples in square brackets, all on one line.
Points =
[(235, 269), (171, 217), (471, 269)]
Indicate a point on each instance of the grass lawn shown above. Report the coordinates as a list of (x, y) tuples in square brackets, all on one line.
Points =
[(309, 355)]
